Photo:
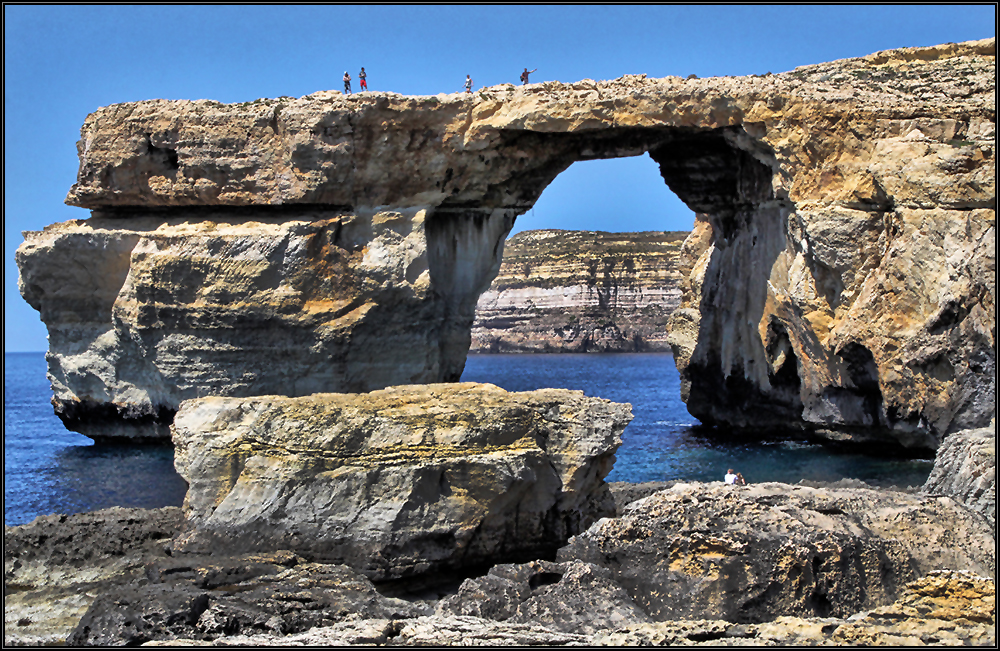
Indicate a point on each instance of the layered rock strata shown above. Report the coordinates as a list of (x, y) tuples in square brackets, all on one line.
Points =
[(146, 312), (839, 277), (580, 291), (398, 482)]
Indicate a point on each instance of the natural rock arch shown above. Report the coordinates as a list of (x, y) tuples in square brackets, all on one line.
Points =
[(837, 279), (705, 167)]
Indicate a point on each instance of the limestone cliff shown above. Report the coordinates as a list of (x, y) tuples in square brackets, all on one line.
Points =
[(580, 291), (840, 277)]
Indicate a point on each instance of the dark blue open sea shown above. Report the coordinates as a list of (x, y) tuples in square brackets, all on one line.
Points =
[(48, 469)]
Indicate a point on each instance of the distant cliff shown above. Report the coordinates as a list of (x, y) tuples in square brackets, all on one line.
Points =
[(580, 291)]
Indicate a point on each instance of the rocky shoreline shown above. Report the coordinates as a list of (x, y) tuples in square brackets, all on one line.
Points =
[(293, 308), (677, 563)]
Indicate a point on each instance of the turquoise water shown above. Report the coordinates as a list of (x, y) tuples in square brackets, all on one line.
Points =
[(48, 469)]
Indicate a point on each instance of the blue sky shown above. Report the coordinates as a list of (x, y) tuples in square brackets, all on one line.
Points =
[(61, 62)]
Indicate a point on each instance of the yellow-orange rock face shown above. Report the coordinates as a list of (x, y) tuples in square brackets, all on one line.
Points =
[(840, 279)]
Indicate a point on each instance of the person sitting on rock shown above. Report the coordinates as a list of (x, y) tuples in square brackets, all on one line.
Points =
[(524, 75), (730, 477), (347, 83), (739, 479)]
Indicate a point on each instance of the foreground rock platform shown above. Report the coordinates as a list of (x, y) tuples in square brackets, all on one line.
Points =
[(57, 565), (400, 482), (913, 594), (838, 278), (748, 554)]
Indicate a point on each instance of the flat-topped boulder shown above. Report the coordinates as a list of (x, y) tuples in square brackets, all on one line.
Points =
[(398, 482), (838, 279)]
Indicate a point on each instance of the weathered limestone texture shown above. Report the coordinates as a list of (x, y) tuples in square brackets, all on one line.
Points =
[(966, 469), (397, 482), (942, 609), (840, 277), (278, 593), (55, 566), (109, 579), (752, 553), (149, 311), (580, 291)]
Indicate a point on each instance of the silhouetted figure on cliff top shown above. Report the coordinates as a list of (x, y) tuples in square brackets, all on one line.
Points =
[(524, 75), (362, 79), (347, 83)]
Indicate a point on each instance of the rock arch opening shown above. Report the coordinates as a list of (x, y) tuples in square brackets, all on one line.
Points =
[(722, 174), (591, 267), (893, 220)]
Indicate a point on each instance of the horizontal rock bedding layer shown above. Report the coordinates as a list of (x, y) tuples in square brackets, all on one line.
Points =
[(580, 291), (398, 482)]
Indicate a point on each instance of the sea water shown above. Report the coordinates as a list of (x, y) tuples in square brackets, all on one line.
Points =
[(48, 469), (664, 442)]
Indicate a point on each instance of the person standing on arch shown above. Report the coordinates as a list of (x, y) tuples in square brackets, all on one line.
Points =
[(468, 84), (362, 80), (524, 75), (347, 83)]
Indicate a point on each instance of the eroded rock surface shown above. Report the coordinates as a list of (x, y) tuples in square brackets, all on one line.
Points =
[(206, 598), (572, 597), (749, 554), (282, 599), (398, 482), (839, 277), (57, 565), (966, 469), (918, 618), (270, 302), (580, 291)]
